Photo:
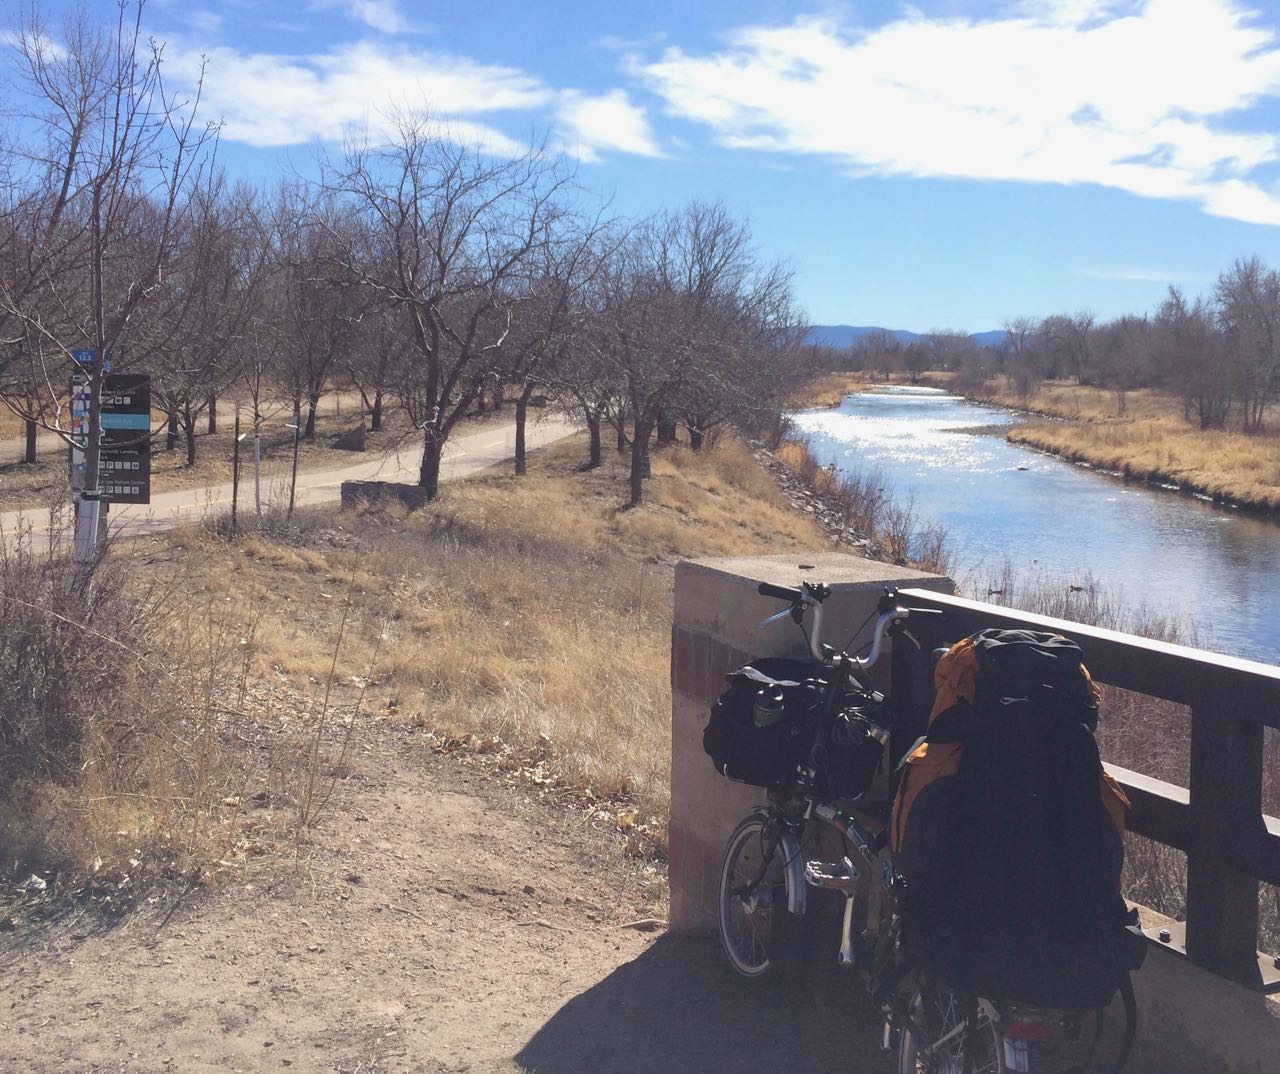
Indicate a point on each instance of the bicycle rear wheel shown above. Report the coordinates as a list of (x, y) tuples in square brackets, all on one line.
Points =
[(939, 1012), (753, 900)]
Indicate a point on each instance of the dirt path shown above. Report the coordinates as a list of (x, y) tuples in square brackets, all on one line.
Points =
[(465, 454), (442, 923)]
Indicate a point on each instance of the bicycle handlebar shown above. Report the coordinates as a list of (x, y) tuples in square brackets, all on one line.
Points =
[(811, 595), (781, 592)]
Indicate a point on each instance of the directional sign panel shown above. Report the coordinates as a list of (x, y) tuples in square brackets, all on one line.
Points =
[(124, 467)]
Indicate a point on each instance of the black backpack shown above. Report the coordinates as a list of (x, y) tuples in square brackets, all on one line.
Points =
[(1010, 867)]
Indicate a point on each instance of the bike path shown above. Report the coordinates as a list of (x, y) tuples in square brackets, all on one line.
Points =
[(464, 455)]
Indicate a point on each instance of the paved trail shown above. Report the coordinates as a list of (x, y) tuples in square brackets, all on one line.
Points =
[(463, 455)]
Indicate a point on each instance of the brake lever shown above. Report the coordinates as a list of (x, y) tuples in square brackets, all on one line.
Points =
[(774, 617)]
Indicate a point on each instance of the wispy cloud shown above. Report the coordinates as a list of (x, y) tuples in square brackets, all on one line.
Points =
[(268, 99), (381, 15), (1138, 96), (610, 121)]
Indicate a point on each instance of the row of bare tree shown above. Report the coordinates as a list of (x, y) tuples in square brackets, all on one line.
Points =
[(1219, 354), (423, 271)]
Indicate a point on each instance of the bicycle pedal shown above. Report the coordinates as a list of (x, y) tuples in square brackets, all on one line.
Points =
[(832, 875)]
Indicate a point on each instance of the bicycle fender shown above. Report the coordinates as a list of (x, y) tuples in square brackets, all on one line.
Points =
[(794, 869)]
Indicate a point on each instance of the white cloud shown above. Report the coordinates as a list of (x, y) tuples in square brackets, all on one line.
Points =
[(609, 121), (1135, 96), (382, 15), (270, 99), (273, 100)]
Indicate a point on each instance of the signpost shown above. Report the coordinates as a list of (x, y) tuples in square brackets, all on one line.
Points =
[(124, 468)]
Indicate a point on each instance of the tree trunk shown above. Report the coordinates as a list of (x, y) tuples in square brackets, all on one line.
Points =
[(498, 397), (213, 415), (481, 406), (375, 417), (594, 456), (313, 401), (695, 438), (622, 434), (171, 433), (429, 472), (30, 455), (666, 431), (639, 463), (522, 411), (189, 427)]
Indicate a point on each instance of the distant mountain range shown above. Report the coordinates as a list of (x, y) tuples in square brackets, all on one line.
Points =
[(846, 335)]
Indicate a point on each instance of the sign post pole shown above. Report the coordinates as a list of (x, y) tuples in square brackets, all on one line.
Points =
[(84, 485), (235, 470)]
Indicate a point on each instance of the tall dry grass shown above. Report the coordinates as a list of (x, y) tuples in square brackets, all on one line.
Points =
[(528, 619), (136, 743), (1150, 441), (1227, 466), (830, 389)]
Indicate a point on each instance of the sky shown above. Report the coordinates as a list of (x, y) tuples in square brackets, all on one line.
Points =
[(926, 166)]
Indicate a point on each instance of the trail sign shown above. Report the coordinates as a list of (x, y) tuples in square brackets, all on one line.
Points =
[(124, 465), (86, 356)]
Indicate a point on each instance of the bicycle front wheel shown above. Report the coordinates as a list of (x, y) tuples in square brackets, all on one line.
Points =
[(939, 1013), (753, 899)]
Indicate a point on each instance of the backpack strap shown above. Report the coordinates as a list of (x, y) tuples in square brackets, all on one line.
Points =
[(1130, 1019), (970, 1030)]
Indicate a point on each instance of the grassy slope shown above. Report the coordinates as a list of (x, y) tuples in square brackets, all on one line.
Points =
[(1150, 441), (530, 616)]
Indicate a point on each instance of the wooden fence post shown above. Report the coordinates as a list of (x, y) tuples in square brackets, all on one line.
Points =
[(1226, 804)]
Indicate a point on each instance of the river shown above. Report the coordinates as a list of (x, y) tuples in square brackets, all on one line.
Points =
[(1214, 570)]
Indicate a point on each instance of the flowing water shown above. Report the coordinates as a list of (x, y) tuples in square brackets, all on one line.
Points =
[(1214, 569)]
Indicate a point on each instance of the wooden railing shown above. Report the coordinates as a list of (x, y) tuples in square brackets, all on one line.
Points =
[(1217, 820)]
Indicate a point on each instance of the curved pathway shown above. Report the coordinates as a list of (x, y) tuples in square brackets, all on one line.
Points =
[(464, 455)]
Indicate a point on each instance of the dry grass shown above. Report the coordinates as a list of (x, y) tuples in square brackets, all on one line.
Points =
[(830, 389), (529, 618), (1227, 466), (1076, 402), (1151, 441), (136, 742), (863, 504)]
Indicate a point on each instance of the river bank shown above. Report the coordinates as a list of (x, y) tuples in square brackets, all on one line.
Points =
[(1149, 442)]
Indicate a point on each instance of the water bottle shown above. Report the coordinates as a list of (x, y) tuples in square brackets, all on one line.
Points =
[(768, 708)]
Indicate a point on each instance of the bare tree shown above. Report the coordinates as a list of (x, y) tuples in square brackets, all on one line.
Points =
[(680, 298), (1193, 357), (102, 199), (1023, 358), (1248, 299), (444, 234), (1124, 354)]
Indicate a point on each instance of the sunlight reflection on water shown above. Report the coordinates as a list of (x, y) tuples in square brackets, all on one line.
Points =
[(1205, 565)]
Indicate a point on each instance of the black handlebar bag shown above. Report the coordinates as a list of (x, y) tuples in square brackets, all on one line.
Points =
[(764, 756)]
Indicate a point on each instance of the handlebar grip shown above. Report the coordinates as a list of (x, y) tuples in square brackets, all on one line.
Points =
[(781, 592)]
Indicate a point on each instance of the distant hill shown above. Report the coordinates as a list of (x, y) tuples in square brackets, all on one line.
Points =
[(846, 335)]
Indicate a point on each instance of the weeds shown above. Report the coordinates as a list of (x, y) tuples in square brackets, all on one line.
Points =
[(137, 742), (864, 505)]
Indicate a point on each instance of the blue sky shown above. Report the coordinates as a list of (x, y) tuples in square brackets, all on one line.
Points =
[(939, 165)]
